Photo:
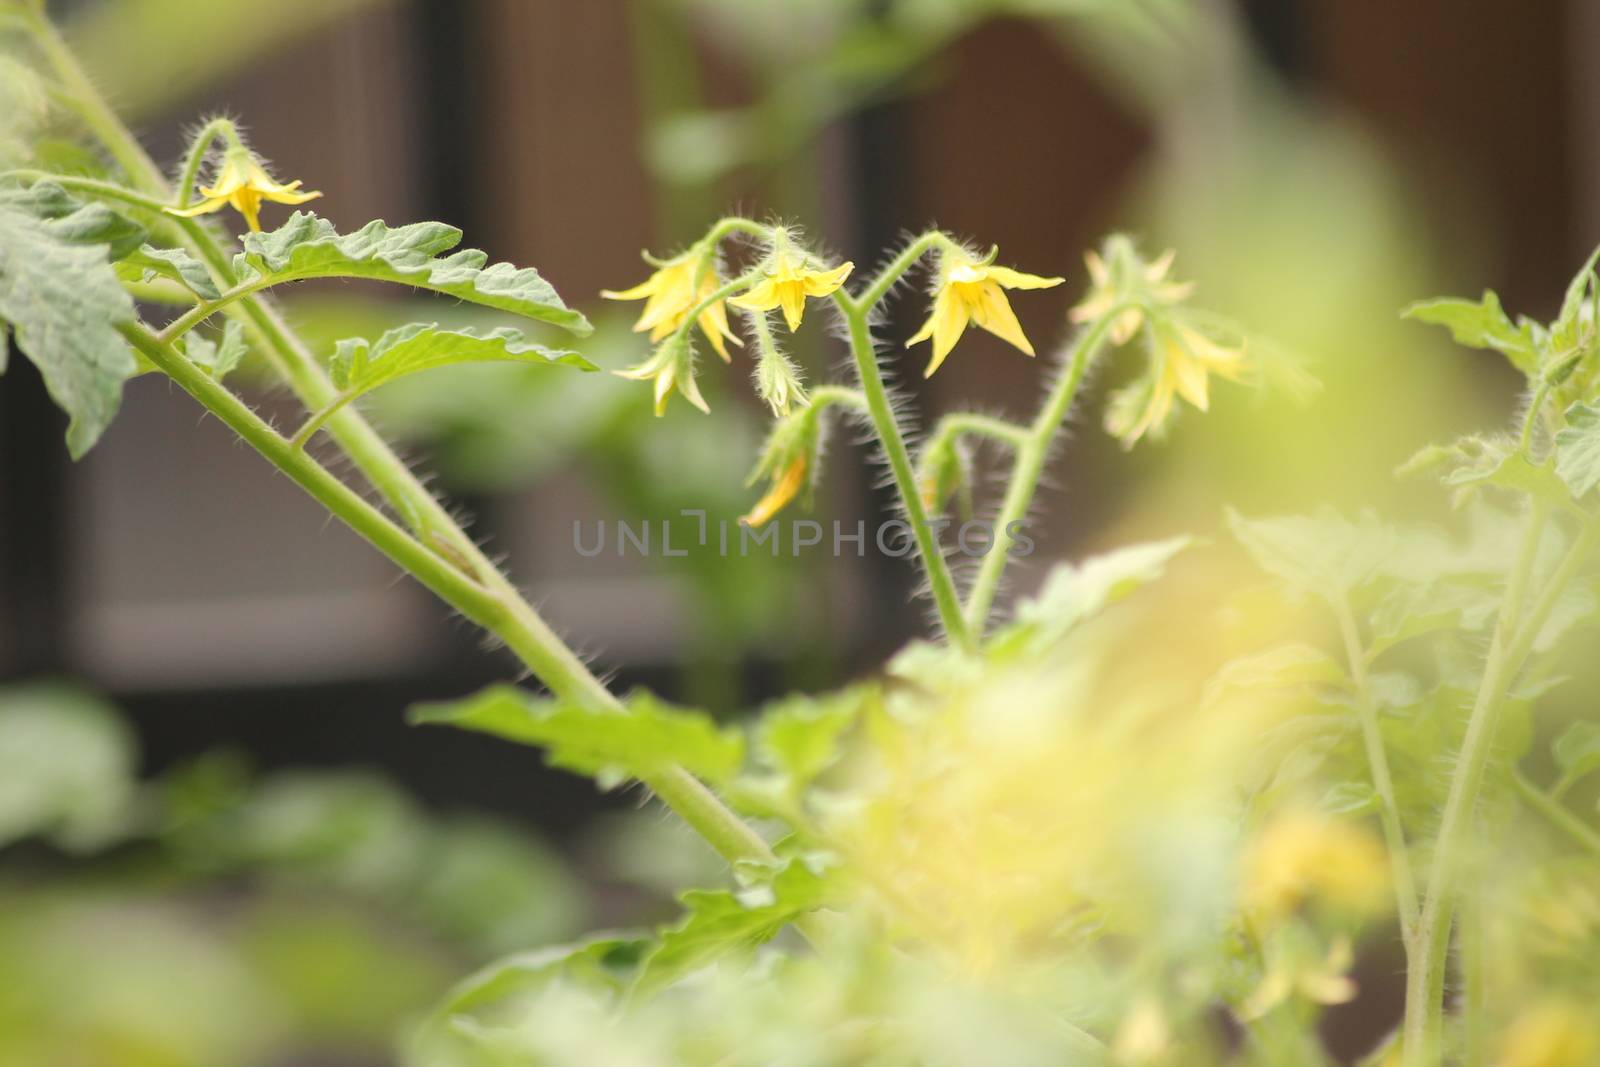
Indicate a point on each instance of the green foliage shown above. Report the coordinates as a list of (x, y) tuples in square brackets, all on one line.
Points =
[(63, 303), (1577, 753), (1481, 325), (147, 262), (722, 921), (1577, 446), (219, 358), (361, 366), (309, 247), (66, 767), (644, 739), (1073, 593)]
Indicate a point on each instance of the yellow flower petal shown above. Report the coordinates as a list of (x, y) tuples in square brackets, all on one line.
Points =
[(784, 489), (1016, 279), (992, 311), (824, 282), (792, 298)]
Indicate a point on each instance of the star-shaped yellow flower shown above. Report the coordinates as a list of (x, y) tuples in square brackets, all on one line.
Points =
[(1108, 289), (972, 290), (1183, 360), (243, 183), (789, 280), (673, 291)]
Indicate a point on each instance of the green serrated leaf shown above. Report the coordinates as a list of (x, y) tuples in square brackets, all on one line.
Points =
[(1284, 666), (1488, 461), (1578, 449), (644, 738), (309, 247), (721, 921), (799, 737), (76, 222), (1350, 799), (63, 302), (360, 366), (1408, 611), (1577, 753), (1480, 325), (1073, 593), (218, 358), (148, 262), (1323, 553)]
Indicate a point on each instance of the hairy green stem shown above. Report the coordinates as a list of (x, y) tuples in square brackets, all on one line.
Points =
[(968, 423), (1032, 452), (218, 127), (1515, 634), (1405, 886), (945, 599), (1557, 815), (513, 620)]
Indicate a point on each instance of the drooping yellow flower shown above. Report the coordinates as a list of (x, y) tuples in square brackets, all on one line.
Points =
[(788, 281), (1321, 981), (243, 183), (972, 290), (1184, 359), (1302, 856), (1107, 290), (785, 487), (673, 291), (671, 367), (1553, 1033)]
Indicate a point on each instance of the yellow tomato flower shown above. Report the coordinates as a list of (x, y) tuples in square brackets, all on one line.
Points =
[(1107, 290), (671, 367), (1184, 360), (1322, 981), (1555, 1033), (785, 487), (1302, 856), (788, 281), (971, 290), (673, 291), (243, 183)]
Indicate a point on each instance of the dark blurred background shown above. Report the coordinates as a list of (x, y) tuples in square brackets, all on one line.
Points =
[(1317, 164)]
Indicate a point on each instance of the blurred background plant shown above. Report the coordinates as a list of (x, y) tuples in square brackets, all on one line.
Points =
[(1317, 165)]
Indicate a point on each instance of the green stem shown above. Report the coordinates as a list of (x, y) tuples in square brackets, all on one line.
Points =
[(1557, 815), (887, 427), (1405, 886), (1032, 453), (92, 186), (197, 156), (963, 423), (514, 620), (880, 286), (1514, 637), (309, 429), (489, 603)]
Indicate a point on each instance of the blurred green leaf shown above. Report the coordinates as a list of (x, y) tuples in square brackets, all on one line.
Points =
[(1578, 449), (722, 921), (644, 738), (66, 767), (1481, 325), (1075, 592), (1577, 753)]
